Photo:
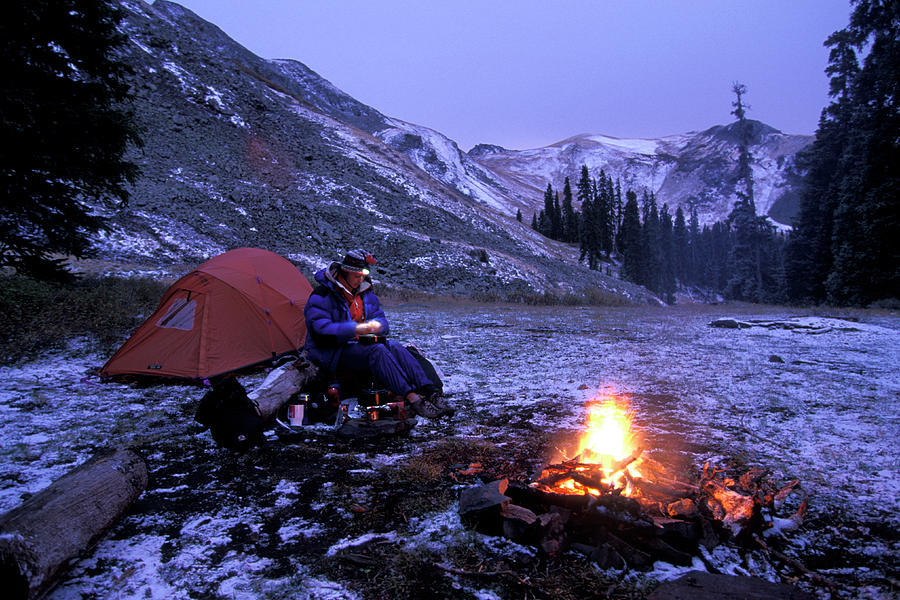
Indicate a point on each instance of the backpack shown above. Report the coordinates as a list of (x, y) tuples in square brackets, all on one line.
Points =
[(429, 368), (231, 416)]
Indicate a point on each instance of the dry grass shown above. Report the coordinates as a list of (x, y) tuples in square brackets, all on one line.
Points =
[(37, 316), (433, 464)]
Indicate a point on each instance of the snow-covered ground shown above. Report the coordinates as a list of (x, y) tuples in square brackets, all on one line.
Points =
[(809, 396)]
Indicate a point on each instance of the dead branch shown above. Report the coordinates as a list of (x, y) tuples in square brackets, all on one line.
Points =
[(512, 574), (746, 430), (795, 564)]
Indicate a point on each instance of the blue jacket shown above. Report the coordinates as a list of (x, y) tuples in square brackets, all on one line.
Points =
[(329, 327)]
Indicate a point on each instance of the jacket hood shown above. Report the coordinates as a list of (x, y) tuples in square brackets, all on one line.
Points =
[(328, 278)]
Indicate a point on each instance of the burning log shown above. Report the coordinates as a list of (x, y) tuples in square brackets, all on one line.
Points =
[(732, 509), (538, 499), (590, 482), (659, 491), (623, 464)]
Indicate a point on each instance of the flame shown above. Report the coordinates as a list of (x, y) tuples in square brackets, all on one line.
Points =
[(608, 436), (607, 441)]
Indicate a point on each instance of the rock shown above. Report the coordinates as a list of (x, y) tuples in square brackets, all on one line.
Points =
[(684, 508), (606, 557), (516, 523), (726, 324), (698, 585), (551, 533), (775, 358), (677, 529), (480, 506)]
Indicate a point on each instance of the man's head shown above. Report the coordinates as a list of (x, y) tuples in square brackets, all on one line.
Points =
[(355, 267)]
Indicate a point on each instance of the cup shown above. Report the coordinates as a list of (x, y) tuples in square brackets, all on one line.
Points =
[(295, 414)]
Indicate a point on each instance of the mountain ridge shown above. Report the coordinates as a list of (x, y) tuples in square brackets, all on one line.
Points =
[(245, 151)]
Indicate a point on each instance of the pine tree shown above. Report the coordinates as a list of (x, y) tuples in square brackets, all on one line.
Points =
[(809, 257), (652, 266), (745, 264), (607, 216), (618, 212), (588, 234), (667, 255), (845, 248), (518, 215), (556, 219), (601, 213), (866, 235), (569, 220), (65, 129), (681, 247), (630, 239), (695, 269), (534, 222), (545, 221)]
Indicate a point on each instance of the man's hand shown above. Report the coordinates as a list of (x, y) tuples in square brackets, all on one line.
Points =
[(368, 327)]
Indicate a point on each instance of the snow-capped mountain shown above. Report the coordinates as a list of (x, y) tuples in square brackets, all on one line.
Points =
[(698, 168), (243, 151)]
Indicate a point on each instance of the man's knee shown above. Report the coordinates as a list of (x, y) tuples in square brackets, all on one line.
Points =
[(376, 353)]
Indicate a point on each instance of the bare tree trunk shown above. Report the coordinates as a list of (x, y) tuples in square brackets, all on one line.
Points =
[(38, 538)]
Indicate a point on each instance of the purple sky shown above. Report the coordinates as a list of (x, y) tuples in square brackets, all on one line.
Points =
[(528, 73)]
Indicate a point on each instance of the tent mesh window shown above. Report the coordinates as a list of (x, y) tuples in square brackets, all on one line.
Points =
[(180, 315)]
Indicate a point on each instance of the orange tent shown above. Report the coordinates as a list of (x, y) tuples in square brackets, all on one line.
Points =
[(237, 309)]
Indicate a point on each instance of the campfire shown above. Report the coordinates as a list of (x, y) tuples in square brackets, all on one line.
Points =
[(608, 456), (614, 502)]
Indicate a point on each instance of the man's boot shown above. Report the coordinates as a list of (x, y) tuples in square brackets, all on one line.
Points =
[(441, 404), (423, 407)]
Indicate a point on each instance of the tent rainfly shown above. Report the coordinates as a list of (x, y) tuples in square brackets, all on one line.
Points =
[(237, 309)]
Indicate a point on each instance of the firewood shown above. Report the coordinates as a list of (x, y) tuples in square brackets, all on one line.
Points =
[(537, 499), (660, 550), (799, 566), (739, 510), (41, 536), (625, 462), (669, 494), (678, 484), (784, 492), (455, 571), (589, 482), (636, 559), (553, 479)]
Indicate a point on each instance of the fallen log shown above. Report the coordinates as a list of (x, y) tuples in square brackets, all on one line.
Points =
[(280, 385), (41, 536)]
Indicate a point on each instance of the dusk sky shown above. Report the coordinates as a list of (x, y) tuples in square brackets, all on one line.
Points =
[(525, 74)]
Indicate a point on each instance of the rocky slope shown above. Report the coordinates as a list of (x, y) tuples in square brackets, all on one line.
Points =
[(243, 151)]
